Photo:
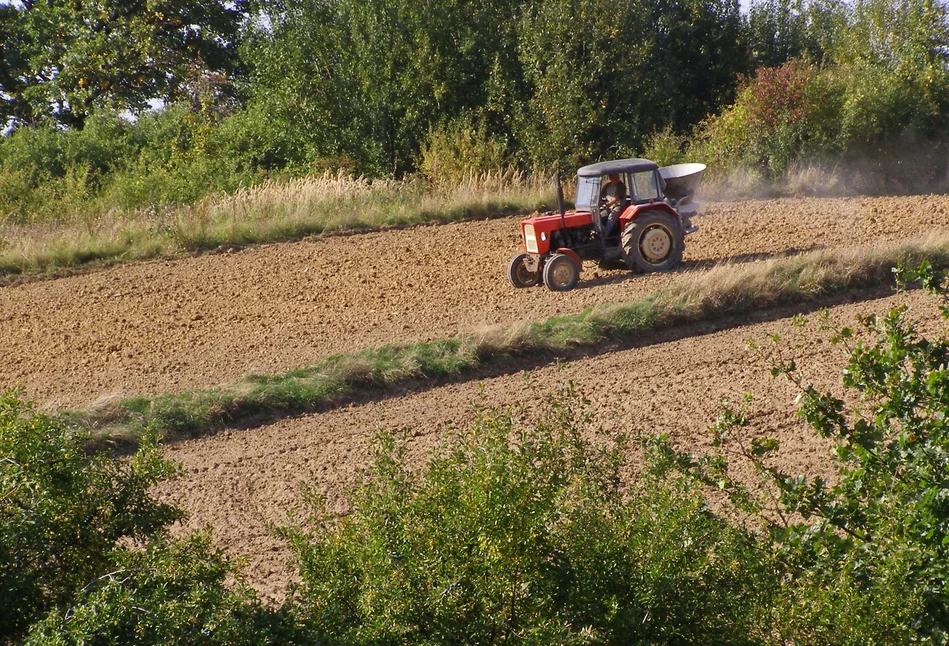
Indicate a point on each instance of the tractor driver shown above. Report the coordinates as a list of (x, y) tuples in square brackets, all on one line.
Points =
[(613, 198)]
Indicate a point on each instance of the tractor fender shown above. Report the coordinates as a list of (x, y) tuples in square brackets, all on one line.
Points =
[(632, 211), (573, 256)]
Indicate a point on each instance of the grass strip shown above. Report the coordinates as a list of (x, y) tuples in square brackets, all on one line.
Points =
[(270, 212), (724, 290)]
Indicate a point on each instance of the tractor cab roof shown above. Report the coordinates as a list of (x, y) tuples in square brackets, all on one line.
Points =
[(617, 166)]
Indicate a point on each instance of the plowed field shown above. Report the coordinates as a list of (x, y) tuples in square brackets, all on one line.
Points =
[(239, 481), (195, 322)]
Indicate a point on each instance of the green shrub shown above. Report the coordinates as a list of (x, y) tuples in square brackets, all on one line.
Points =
[(865, 553), (458, 151), (40, 150), (665, 147), (166, 158), (84, 553), (49, 174), (63, 511), (170, 593), (524, 533)]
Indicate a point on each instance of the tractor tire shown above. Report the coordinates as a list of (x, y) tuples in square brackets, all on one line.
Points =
[(561, 273), (519, 274), (653, 242)]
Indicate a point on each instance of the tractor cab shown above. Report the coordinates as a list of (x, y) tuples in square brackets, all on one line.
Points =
[(639, 181), (640, 178)]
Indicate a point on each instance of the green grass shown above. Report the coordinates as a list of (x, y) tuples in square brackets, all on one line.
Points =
[(722, 291)]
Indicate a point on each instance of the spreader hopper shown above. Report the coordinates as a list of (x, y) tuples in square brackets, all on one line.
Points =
[(682, 180)]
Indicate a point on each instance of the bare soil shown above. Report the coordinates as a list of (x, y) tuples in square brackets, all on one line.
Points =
[(241, 482), (196, 322)]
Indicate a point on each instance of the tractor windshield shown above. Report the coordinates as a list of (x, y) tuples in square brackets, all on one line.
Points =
[(647, 188), (588, 194)]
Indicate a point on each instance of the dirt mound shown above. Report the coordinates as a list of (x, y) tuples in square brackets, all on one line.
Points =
[(195, 322), (238, 481)]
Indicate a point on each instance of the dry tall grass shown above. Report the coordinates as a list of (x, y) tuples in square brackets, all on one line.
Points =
[(269, 212), (731, 287)]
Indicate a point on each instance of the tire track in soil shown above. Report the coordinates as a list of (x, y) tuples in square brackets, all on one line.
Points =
[(195, 322)]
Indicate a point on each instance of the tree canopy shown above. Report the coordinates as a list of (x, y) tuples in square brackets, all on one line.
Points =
[(383, 88), (63, 60)]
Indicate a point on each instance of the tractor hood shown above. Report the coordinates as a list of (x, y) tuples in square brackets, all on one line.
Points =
[(551, 221), (536, 232)]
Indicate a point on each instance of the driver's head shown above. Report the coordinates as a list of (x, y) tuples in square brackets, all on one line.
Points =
[(613, 177)]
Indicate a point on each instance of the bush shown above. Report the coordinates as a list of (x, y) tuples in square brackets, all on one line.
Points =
[(865, 552), (524, 533), (84, 554), (63, 511), (666, 147), (768, 125), (172, 592), (48, 174), (168, 157), (458, 151)]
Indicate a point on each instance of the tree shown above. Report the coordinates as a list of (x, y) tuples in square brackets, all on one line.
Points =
[(604, 75), (895, 56), (368, 79), (586, 67), (698, 54), (372, 79), (303, 103), (62, 60), (777, 31)]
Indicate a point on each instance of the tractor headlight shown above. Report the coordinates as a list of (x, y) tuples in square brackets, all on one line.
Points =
[(530, 238)]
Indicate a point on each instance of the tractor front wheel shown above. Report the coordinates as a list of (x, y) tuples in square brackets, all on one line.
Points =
[(561, 273), (653, 242), (520, 273)]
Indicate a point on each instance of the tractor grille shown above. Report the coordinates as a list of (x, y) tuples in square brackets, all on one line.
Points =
[(530, 238)]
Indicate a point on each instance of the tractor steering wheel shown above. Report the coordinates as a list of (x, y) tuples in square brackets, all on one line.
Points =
[(603, 209)]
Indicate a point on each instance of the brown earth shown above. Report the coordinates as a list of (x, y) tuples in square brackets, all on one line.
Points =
[(241, 481), (195, 322)]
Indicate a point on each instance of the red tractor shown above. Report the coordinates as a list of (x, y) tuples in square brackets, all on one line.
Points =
[(628, 209)]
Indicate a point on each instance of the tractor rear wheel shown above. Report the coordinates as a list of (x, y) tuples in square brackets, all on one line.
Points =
[(653, 242), (561, 273), (519, 272)]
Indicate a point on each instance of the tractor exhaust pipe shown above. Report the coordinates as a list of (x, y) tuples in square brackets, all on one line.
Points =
[(560, 207)]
